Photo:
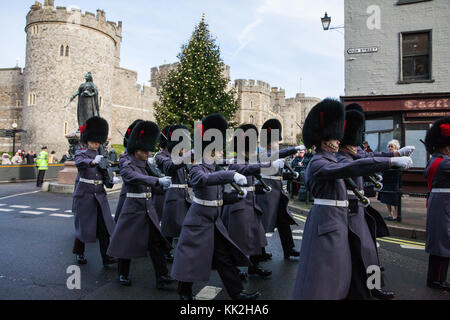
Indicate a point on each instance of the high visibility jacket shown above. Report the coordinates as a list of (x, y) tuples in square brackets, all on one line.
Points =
[(42, 161)]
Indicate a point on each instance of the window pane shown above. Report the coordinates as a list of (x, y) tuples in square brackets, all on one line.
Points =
[(419, 156), (378, 125), (385, 137), (421, 66), (415, 43), (372, 139)]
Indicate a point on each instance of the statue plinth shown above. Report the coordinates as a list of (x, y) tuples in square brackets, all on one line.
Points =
[(68, 174)]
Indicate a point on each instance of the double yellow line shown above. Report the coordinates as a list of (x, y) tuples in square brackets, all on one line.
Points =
[(384, 239)]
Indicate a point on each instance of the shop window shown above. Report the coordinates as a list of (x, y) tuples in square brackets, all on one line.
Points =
[(378, 133), (415, 132), (416, 58)]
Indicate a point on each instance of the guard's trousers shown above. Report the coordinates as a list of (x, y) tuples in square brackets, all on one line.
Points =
[(437, 269)]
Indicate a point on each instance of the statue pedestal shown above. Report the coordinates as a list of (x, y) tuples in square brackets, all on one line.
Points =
[(68, 174)]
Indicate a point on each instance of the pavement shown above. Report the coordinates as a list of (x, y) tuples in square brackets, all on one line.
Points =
[(413, 213)]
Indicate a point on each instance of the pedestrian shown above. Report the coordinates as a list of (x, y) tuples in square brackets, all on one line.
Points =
[(275, 204), (30, 157), (366, 147), (52, 158), (90, 205), (17, 159), (113, 155), (297, 162), (204, 241), (325, 265), (42, 164), (160, 194), (137, 231), (123, 190), (177, 200), (391, 183), (243, 219), (64, 157), (437, 172), (6, 159)]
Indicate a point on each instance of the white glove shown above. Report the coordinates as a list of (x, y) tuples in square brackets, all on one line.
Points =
[(278, 164), (151, 160), (165, 182), (240, 179), (116, 180), (244, 195), (97, 159), (406, 151), (401, 162)]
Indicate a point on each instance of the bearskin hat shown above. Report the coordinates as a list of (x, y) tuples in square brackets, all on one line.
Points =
[(324, 122), (130, 128), (95, 129), (164, 135), (143, 137), (213, 121), (354, 106), (171, 144), (353, 128), (438, 135), (238, 138), (272, 124)]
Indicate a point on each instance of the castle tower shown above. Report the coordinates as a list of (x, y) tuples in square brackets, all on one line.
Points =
[(61, 47)]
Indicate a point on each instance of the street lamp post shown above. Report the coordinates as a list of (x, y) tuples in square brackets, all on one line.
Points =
[(326, 22), (14, 126)]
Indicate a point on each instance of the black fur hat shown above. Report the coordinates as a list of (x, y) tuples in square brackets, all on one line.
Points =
[(130, 128), (353, 128), (143, 137), (272, 124), (438, 135), (213, 121), (324, 122), (354, 106), (95, 129), (245, 128), (164, 134), (171, 144)]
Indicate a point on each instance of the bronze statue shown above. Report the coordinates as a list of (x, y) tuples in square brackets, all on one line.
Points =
[(87, 100)]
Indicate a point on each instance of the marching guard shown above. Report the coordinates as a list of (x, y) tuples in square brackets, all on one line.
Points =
[(90, 205), (275, 204), (137, 231), (204, 241), (243, 218), (123, 191), (325, 266), (160, 194), (437, 172)]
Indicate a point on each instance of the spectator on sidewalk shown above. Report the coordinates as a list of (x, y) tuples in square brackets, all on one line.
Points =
[(23, 155), (30, 157), (52, 158), (5, 159), (113, 155), (64, 157), (42, 164), (297, 163), (391, 182), (366, 147), (17, 159)]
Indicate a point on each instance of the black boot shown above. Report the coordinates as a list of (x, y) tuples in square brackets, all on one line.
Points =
[(445, 286), (124, 281), (162, 281), (382, 294), (260, 272), (109, 261), (292, 253), (81, 259), (244, 295)]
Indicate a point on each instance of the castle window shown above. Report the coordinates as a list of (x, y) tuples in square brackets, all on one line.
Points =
[(99, 101), (251, 104), (252, 118), (67, 51), (292, 126), (66, 131), (61, 51), (31, 99), (34, 29), (18, 103)]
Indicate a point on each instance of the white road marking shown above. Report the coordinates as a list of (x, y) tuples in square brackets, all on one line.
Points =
[(19, 207), (208, 293), (20, 194), (2, 204), (297, 231), (32, 212), (269, 235), (297, 237), (6, 210), (47, 209), (61, 215), (405, 246), (68, 211)]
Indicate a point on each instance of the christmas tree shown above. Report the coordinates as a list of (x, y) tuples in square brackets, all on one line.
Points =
[(197, 86)]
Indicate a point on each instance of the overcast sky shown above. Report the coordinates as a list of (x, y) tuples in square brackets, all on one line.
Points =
[(276, 41)]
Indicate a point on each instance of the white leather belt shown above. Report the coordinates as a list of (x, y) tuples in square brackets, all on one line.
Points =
[(140, 195), (179, 186), (208, 203), (333, 203), (351, 193), (442, 190), (249, 189), (279, 178), (96, 182)]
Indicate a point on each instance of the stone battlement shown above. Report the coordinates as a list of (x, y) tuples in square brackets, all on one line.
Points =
[(39, 14), (244, 84)]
